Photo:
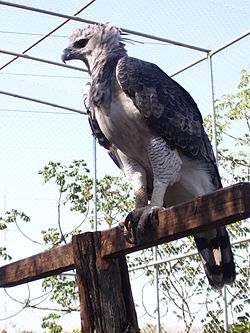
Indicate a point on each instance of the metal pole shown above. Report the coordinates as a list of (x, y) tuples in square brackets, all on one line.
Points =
[(41, 102), (211, 86), (5, 245), (213, 115), (46, 61), (156, 279), (95, 183), (224, 297)]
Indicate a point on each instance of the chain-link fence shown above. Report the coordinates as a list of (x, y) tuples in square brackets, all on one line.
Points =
[(171, 296)]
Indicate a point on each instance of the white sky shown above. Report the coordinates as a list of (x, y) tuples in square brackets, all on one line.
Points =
[(31, 134)]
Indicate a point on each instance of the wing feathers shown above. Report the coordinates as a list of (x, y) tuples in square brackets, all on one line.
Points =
[(168, 108)]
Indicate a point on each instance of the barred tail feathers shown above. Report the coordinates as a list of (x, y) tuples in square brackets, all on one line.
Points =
[(217, 257)]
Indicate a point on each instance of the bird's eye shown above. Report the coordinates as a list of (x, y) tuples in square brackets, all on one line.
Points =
[(81, 43)]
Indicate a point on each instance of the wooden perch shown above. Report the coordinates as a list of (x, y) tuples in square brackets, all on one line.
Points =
[(41, 265), (221, 207)]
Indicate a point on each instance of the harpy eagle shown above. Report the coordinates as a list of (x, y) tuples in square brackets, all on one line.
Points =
[(154, 132)]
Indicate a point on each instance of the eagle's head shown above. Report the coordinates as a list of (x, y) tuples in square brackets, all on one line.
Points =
[(95, 45)]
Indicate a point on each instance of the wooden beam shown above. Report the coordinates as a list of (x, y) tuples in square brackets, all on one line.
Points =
[(224, 206), (221, 207), (41, 265)]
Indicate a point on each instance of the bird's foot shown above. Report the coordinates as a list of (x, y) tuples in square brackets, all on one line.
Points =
[(138, 223)]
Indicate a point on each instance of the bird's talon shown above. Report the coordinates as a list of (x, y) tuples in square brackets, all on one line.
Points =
[(129, 229), (138, 222)]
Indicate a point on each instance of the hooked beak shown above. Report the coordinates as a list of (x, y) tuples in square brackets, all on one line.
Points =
[(68, 54)]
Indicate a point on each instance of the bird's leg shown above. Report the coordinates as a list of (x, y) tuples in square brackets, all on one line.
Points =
[(136, 175), (138, 223), (141, 197), (166, 166), (131, 221), (140, 220)]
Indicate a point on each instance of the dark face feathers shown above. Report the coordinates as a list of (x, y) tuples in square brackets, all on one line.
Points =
[(68, 54), (74, 51)]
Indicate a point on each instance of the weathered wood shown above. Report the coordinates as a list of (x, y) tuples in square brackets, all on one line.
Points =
[(41, 265), (106, 302), (222, 207)]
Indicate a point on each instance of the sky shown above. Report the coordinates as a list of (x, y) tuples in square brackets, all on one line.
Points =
[(33, 134)]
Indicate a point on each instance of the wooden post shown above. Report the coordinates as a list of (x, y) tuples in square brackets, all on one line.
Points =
[(106, 302)]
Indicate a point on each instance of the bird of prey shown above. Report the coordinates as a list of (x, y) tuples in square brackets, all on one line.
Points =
[(154, 132)]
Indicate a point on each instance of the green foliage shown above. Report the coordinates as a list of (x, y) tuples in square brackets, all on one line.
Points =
[(10, 217), (63, 291), (214, 324), (242, 325), (73, 181), (3, 253), (233, 110), (3, 225), (49, 323), (114, 199), (52, 237)]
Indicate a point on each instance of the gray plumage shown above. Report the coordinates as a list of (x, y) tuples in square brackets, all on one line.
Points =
[(153, 130)]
